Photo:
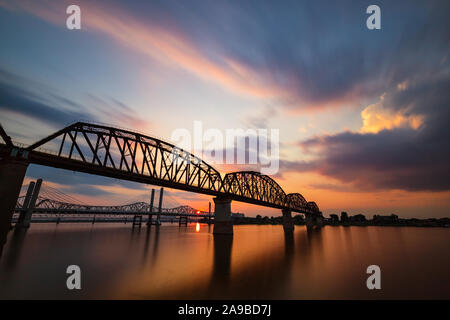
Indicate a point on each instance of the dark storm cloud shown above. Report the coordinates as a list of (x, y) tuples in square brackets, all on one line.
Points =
[(81, 182), (37, 101), (319, 51), (402, 158), (25, 97)]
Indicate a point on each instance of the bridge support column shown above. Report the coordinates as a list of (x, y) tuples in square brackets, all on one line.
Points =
[(314, 220), (209, 213), (158, 219), (320, 221), (26, 203), (12, 173), (150, 214), (183, 220), (309, 220), (222, 216), (25, 222), (288, 223)]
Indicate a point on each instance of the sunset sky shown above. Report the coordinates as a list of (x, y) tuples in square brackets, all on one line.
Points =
[(363, 114)]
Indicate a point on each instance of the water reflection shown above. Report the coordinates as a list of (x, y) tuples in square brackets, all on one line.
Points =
[(16, 243), (155, 245), (265, 268), (220, 276), (288, 245)]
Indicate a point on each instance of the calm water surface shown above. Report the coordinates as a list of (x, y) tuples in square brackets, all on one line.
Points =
[(173, 262)]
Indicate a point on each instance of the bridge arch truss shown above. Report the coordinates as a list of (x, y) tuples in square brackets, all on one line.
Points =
[(123, 154)]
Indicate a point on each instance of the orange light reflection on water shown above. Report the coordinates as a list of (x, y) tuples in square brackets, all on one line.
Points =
[(258, 261)]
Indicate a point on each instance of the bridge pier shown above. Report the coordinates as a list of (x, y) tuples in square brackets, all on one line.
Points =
[(183, 220), (28, 207), (137, 220), (288, 223), (209, 214), (12, 173), (158, 217), (150, 214), (314, 220), (26, 203), (222, 216)]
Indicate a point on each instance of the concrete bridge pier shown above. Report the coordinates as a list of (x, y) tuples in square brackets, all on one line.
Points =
[(150, 214), (29, 204), (320, 221), (26, 203), (223, 224), (158, 216), (314, 220), (288, 223), (209, 214), (12, 173)]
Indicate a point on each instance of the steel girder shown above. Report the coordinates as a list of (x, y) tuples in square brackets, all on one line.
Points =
[(255, 186), (43, 204), (123, 154), (123, 151), (296, 200)]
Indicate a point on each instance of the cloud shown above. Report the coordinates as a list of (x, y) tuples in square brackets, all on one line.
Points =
[(166, 45), (322, 54), (23, 96), (111, 110), (260, 119), (398, 157), (303, 56), (376, 118)]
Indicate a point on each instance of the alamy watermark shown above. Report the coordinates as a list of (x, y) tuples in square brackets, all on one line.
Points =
[(256, 147), (373, 22), (374, 280), (73, 21), (74, 280)]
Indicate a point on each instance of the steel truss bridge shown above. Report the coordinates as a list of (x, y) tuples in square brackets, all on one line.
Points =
[(123, 154)]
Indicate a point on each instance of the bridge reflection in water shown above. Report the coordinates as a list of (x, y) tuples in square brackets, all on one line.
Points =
[(177, 262)]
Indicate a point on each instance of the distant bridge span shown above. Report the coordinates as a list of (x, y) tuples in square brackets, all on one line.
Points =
[(123, 154), (51, 206)]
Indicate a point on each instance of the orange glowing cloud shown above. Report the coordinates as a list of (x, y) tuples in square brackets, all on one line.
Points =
[(376, 118)]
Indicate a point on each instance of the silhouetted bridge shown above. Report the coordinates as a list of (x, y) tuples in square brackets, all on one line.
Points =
[(123, 154), (50, 206), (47, 210)]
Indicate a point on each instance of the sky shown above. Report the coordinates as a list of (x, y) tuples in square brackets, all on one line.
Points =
[(362, 114)]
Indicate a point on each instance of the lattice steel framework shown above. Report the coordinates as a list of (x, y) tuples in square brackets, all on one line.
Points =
[(296, 200), (54, 206), (253, 185), (120, 152), (123, 154), (313, 207)]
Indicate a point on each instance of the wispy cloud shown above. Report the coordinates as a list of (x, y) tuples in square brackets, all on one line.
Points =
[(37, 102), (302, 61), (155, 42)]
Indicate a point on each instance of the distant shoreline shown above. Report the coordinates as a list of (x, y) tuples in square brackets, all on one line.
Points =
[(378, 221), (358, 220)]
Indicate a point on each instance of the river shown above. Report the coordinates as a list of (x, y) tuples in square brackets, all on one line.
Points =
[(258, 262)]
